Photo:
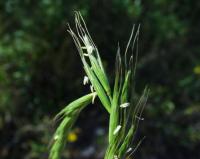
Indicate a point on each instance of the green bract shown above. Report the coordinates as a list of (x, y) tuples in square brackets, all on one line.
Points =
[(124, 115)]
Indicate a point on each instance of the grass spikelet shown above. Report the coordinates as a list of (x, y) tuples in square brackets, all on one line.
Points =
[(69, 115), (124, 113), (59, 139), (75, 105)]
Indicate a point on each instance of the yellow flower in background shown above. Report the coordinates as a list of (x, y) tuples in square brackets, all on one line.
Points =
[(196, 70), (72, 137)]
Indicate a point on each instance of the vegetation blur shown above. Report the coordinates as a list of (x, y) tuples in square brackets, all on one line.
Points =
[(41, 72)]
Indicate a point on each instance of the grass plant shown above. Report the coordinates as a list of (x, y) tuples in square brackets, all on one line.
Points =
[(124, 113)]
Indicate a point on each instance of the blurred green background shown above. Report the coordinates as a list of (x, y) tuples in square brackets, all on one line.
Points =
[(40, 72)]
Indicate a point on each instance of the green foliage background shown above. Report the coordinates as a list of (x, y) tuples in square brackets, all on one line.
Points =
[(40, 72)]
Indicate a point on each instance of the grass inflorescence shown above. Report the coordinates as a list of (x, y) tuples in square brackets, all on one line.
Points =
[(124, 113)]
